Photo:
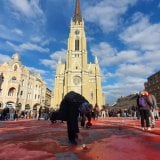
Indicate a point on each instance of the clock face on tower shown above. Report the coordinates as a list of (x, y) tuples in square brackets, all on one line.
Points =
[(76, 80), (76, 32)]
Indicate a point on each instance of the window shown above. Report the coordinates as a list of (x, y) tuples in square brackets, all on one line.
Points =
[(21, 93), (14, 78), (11, 92), (15, 67), (77, 44), (22, 82)]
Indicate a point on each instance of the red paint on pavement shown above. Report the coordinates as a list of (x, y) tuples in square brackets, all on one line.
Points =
[(107, 139)]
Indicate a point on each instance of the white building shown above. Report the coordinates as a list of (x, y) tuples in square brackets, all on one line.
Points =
[(21, 88)]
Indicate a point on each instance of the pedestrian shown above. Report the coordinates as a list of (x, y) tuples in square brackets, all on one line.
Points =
[(40, 113), (103, 113), (96, 111), (16, 115), (144, 109), (71, 106), (153, 104)]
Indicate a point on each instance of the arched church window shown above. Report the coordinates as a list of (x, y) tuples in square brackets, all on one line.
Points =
[(77, 44), (15, 67), (11, 92)]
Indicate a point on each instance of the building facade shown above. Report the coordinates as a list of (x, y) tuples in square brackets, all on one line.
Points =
[(153, 86), (21, 88), (48, 98), (76, 74), (127, 102)]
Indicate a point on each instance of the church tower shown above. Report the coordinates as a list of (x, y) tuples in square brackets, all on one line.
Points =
[(76, 74)]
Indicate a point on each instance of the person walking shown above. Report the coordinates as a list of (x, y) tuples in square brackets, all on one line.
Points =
[(144, 109), (153, 104), (40, 113)]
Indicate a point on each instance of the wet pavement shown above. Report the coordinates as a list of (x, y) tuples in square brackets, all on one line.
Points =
[(108, 139)]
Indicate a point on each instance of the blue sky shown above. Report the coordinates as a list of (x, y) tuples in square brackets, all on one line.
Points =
[(124, 34)]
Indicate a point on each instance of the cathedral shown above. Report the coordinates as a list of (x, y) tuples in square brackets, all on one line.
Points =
[(77, 74)]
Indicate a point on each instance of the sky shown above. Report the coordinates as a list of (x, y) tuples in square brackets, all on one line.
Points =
[(123, 34)]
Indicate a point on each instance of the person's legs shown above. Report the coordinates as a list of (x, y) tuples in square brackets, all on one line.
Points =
[(152, 122), (142, 118), (146, 116), (72, 126), (83, 119)]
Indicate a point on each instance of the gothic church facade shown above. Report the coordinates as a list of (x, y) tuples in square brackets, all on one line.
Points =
[(77, 74)]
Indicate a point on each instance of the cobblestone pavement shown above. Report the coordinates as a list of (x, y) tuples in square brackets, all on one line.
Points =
[(108, 139)]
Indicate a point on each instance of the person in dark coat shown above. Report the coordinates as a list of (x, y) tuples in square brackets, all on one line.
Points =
[(144, 109), (71, 106), (40, 113)]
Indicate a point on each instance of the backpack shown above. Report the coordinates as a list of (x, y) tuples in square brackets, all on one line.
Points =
[(143, 102)]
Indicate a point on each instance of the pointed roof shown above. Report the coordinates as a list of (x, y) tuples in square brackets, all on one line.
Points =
[(96, 60), (77, 13)]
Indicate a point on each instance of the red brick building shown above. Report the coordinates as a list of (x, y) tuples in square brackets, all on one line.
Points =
[(153, 86)]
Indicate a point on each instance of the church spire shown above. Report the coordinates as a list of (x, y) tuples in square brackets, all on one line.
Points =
[(77, 13)]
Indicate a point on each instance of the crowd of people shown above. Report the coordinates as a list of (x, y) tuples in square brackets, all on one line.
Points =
[(10, 113), (75, 107)]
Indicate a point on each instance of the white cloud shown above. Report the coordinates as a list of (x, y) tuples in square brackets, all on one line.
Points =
[(40, 71), (27, 47), (43, 41), (10, 34), (112, 56), (136, 70), (107, 13), (142, 35), (18, 31), (59, 54), (4, 58), (52, 62), (129, 69), (36, 39), (125, 87), (29, 9)]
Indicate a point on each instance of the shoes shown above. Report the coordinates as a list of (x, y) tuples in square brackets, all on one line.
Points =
[(152, 126), (143, 128), (149, 128), (73, 142)]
